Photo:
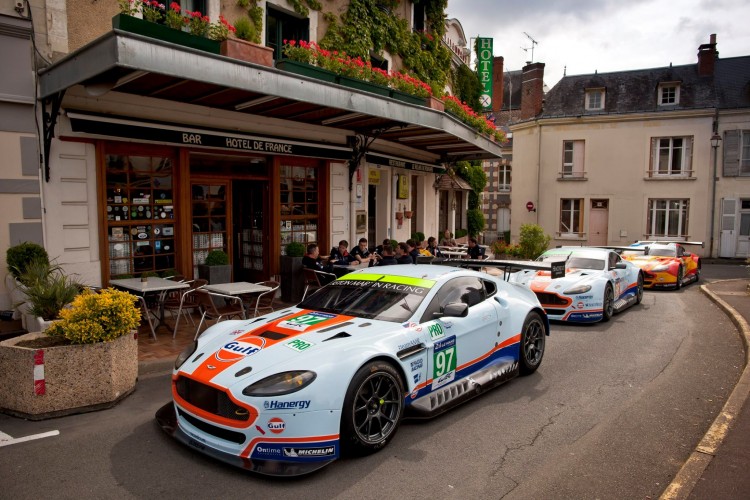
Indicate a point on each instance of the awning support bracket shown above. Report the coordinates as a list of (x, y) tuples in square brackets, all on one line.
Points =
[(360, 144), (49, 122)]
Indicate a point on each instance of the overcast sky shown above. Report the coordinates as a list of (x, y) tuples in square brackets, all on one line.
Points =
[(605, 35)]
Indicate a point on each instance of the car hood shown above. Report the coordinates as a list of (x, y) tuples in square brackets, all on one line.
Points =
[(237, 352), (541, 280), (650, 261)]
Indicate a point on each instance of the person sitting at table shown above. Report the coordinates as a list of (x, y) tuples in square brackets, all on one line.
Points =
[(422, 249), (448, 240), (379, 248), (340, 254), (387, 258), (312, 260), (413, 252), (433, 248), (474, 251), (402, 254), (360, 253)]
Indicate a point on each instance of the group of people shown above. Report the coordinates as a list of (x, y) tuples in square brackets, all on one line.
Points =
[(386, 254)]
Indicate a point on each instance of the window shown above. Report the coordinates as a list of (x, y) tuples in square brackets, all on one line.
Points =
[(668, 217), (594, 99), (669, 94), (736, 149), (745, 153), (572, 163), (281, 26), (418, 19), (503, 183), (671, 156), (470, 291), (299, 204), (570, 215)]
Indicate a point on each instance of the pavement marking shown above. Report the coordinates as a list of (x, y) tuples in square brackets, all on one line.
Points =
[(5, 437), (8, 442)]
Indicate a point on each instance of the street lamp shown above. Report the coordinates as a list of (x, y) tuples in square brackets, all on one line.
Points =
[(715, 141)]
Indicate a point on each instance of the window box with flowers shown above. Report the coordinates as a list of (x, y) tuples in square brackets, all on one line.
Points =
[(89, 359)]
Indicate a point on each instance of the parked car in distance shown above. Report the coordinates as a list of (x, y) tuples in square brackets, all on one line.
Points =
[(665, 264), (289, 392)]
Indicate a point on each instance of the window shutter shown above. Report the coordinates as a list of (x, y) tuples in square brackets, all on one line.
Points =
[(578, 157), (686, 169), (654, 161), (731, 153)]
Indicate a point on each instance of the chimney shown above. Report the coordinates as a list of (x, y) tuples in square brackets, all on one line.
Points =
[(707, 56), (497, 83), (532, 90)]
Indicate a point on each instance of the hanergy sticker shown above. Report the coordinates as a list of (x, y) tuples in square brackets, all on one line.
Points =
[(234, 350)]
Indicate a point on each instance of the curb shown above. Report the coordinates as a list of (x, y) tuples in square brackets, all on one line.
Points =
[(690, 473), (159, 366)]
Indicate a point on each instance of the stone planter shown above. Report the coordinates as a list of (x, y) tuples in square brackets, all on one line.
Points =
[(215, 274), (139, 26), (434, 103), (307, 70), (247, 51), (74, 378)]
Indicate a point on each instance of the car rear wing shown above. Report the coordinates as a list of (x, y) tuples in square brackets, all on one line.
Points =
[(666, 242), (619, 250), (556, 269)]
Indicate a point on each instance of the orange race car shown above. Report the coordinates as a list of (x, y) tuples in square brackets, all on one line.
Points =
[(665, 264)]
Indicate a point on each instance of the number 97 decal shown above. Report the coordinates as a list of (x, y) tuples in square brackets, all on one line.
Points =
[(444, 362)]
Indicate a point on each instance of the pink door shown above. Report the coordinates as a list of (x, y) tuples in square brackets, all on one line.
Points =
[(598, 222)]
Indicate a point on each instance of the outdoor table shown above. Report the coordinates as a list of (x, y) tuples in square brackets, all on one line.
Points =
[(343, 269), (152, 285), (454, 254), (237, 288)]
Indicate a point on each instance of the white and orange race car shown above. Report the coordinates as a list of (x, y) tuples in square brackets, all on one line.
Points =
[(597, 284), (289, 392), (665, 264)]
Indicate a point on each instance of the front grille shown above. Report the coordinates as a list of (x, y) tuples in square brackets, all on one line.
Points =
[(209, 399), (552, 299), (225, 434)]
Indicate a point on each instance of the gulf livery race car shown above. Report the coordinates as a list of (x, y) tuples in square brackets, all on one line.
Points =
[(665, 264), (597, 284), (289, 392)]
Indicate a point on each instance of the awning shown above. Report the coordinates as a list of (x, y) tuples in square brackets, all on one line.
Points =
[(132, 64)]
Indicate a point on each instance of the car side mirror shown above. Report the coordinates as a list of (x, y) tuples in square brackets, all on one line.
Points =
[(621, 265), (456, 310)]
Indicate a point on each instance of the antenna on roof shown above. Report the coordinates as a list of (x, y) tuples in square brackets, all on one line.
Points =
[(533, 43)]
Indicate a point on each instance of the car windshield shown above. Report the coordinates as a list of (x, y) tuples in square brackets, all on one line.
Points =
[(662, 252), (584, 263), (368, 299)]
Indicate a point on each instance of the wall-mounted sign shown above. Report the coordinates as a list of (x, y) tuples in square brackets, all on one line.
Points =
[(484, 68), (391, 161), (373, 176), (403, 187)]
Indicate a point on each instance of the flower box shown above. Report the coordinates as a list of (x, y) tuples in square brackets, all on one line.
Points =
[(434, 103), (139, 26), (373, 88), (308, 70), (247, 51), (408, 98)]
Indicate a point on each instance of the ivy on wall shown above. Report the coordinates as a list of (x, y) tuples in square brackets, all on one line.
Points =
[(466, 87), (473, 173)]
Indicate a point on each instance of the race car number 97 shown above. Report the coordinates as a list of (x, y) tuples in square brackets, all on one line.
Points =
[(444, 362)]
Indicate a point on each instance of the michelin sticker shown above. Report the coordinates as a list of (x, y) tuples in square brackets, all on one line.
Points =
[(444, 362)]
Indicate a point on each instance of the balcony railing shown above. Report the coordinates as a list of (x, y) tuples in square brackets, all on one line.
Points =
[(571, 176)]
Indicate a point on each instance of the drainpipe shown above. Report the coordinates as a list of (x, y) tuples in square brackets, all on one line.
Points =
[(538, 171), (715, 141)]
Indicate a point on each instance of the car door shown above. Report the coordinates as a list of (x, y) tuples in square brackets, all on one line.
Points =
[(620, 277), (458, 345)]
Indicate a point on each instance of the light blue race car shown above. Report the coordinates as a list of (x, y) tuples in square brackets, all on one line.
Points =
[(289, 392)]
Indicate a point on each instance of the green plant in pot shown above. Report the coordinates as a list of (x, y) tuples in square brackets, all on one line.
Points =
[(295, 249), (216, 268), (20, 256), (48, 289)]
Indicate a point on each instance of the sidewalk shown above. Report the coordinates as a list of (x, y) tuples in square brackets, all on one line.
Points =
[(718, 467)]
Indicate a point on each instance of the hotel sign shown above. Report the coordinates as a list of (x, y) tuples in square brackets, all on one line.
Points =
[(389, 161), (484, 68)]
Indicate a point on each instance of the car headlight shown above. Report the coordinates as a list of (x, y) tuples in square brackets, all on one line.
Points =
[(184, 355), (577, 289), (280, 384), (660, 268)]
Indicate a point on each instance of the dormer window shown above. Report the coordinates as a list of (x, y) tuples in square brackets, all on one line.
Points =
[(669, 93), (594, 99)]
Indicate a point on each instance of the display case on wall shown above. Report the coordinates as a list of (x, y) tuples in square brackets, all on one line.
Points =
[(140, 214), (299, 205)]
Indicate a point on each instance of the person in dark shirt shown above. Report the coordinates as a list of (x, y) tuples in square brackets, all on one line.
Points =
[(432, 247), (413, 250), (340, 254), (402, 254), (379, 248), (474, 251), (361, 253), (386, 258), (312, 260)]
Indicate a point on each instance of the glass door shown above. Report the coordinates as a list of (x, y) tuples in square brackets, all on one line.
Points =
[(209, 211), (250, 230)]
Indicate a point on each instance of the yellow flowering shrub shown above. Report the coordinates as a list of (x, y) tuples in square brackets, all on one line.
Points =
[(97, 317)]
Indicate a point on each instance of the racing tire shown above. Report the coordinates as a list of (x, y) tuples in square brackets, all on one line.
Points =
[(639, 291), (608, 303), (373, 407), (680, 276), (533, 339)]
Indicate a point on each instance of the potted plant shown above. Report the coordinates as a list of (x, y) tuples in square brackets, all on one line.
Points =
[(18, 258), (88, 360), (292, 281), (47, 290), (216, 269)]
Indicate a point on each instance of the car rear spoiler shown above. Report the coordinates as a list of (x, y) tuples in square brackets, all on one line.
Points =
[(556, 269), (665, 242), (619, 250)]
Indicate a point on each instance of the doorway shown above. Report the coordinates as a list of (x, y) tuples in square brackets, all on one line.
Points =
[(250, 230), (372, 205), (598, 222)]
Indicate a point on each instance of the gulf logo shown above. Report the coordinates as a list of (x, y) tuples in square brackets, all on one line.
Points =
[(235, 350), (276, 425)]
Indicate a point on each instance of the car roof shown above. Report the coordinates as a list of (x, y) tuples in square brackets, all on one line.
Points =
[(591, 252), (421, 271)]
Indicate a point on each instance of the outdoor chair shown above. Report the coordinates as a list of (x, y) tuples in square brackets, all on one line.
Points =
[(184, 304), (315, 280), (210, 311), (264, 300)]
